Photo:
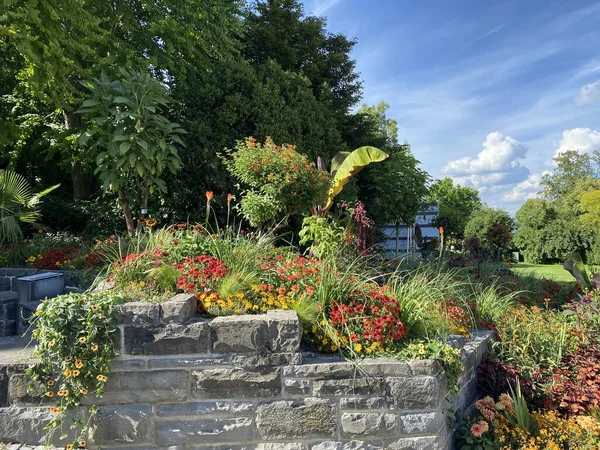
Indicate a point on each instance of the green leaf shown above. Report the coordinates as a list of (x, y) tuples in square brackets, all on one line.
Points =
[(124, 147), (140, 168), (132, 159), (90, 102), (349, 165)]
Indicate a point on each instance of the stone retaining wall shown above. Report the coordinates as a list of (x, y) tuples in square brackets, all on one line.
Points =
[(241, 382)]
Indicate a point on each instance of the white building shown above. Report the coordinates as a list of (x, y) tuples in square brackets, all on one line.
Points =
[(404, 240)]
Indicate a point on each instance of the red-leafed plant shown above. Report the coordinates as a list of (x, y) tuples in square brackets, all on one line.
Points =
[(576, 384)]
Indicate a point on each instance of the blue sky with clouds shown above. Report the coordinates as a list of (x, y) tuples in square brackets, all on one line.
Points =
[(485, 92)]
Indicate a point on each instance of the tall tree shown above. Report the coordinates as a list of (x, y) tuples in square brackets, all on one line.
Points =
[(456, 204), (571, 168), (279, 30), (493, 227), (63, 42)]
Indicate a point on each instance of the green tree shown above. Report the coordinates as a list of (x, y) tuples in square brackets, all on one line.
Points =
[(132, 141), (589, 204), (59, 43), (456, 205), (532, 220), (571, 168), (493, 227), (278, 30)]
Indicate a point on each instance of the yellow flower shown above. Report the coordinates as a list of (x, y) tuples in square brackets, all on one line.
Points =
[(82, 339), (49, 394), (76, 373), (358, 348), (67, 373), (83, 391)]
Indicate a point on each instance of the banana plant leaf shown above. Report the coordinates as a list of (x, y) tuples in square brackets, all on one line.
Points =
[(347, 164)]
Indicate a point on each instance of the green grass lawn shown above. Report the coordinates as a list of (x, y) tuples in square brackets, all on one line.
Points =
[(551, 271)]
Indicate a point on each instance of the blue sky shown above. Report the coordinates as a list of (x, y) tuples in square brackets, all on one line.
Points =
[(485, 92)]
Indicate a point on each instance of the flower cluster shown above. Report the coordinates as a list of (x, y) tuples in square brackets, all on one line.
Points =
[(55, 258), (496, 427), (456, 316), (75, 335), (290, 275), (200, 273), (370, 321)]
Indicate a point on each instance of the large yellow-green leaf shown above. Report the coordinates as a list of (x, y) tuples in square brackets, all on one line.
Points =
[(345, 165)]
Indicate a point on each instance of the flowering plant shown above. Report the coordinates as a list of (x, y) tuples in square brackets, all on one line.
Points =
[(75, 343), (497, 426), (279, 181), (201, 275)]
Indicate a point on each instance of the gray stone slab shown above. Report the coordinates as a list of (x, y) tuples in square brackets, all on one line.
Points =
[(139, 313), (348, 445), (189, 362), (356, 386), (296, 419), (192, 409), (234, 383), (203, 430), (368, 424), (179, 309), (285, 331), (414, 393), (239, 334), (127, 424), (146, 386)]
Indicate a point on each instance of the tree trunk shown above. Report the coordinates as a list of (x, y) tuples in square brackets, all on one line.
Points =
[(81, 184), (126, 212)]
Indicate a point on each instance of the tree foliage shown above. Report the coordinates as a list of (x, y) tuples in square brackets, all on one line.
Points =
[(132, 142), (492, 227), (456, 205)]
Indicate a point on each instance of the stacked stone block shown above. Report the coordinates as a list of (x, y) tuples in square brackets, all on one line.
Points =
[(242, 383)]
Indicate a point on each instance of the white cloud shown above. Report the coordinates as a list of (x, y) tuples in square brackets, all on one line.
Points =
[(493, 181), (524, 190), (588, 94), (583, 140), (500, 154)]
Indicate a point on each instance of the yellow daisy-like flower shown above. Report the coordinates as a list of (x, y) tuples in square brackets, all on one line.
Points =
[(83, 391), (79, 364), (76, 373), (49, 394), (50, 382), (94, 348), (82, 339), (67, 373)]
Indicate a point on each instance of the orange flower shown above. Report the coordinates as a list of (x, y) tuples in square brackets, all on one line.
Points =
[(83, 391), (82, 339), (49, 394), (76, 373), (54, 410), (101, 378), (82, 443), (67, 373), (79, 364), (50, 382), (94, 348), (68, 358), (441, 230), (209, 195), (95, 307), (69, 447), (229, 198)]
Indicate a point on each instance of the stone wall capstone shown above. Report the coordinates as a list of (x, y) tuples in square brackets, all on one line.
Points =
[(242, 383)]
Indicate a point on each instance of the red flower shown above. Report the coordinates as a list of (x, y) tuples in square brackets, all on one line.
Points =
[(209, 195)]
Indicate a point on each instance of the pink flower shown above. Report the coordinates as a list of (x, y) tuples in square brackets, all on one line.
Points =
[(477, 430)]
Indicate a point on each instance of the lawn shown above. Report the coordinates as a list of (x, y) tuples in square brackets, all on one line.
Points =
[(551, 271)]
